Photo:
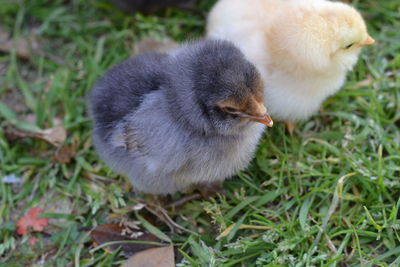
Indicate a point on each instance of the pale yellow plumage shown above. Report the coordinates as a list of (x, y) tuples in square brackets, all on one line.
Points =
[(302, 48)]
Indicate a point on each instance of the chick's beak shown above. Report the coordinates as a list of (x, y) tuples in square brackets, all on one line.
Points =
[(368, 41), (264, 119), (261, 115)]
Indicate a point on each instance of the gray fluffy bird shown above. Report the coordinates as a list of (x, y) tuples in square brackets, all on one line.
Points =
[(174, 121), (152, 6)]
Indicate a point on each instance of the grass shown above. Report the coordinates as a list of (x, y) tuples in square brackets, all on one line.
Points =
[(327, 196)]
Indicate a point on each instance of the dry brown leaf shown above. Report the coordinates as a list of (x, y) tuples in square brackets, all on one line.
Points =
[(114, 232), (154, 257), (25, 47), (14, 100), (54, 136), (153, 45), (22, 45), (64, 154), (333, 160), (364, 83)]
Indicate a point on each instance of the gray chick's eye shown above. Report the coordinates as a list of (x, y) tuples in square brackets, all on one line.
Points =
[(229, 110), (349, 46)]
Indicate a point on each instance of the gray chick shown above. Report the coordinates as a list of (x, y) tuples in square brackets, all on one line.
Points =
[(174, 121), (153, 6)]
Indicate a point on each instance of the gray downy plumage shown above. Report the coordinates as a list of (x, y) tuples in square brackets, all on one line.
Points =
[(152, 6), (156, 120)]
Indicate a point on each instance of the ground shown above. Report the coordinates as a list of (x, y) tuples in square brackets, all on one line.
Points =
[(326, 196)]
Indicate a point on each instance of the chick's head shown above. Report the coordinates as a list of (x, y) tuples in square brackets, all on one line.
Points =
[(226, 88), (349, 35), (319, 36)]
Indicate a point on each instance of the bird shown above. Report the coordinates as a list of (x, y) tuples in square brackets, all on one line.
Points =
[(153, 6), (176, 121), (303, 48)]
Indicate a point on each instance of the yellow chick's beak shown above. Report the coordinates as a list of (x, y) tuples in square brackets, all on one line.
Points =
[(369, 41)]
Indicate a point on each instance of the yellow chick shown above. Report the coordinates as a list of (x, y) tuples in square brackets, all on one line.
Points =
[(302, 48)]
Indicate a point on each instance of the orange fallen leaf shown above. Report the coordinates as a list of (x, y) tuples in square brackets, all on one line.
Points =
[(32, 241), (31, 220), (154, 257)]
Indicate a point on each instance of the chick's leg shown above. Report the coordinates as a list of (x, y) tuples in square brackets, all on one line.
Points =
[(204, 191), (290, 126), (209, 190), (156, 207)]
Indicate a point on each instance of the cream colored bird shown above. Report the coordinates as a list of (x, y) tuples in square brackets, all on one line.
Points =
[(302, 48)]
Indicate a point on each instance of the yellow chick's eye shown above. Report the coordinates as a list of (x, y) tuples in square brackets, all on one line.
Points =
[(349, 46)]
